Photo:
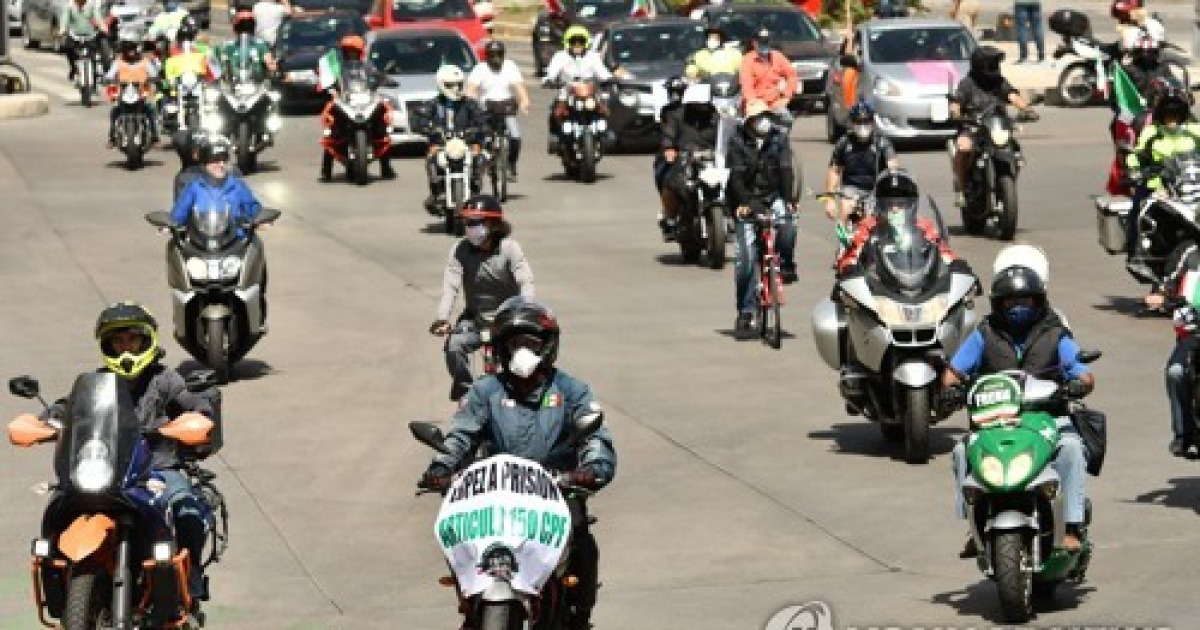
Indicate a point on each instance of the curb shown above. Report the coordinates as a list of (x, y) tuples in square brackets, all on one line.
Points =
[(14, 106)]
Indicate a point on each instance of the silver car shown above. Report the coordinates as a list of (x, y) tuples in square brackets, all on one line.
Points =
[(410, 58), (39, 23), (906, 69)]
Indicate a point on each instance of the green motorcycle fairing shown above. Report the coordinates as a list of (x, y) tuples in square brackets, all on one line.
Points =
[(1006, 458)]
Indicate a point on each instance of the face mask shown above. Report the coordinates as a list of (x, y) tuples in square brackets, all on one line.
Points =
[(1021, 316), (477, 234), (714, 43), (862, 132), (524, 363)]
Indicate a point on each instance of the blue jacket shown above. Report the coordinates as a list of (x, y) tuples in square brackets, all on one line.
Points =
[(537, 428), (204, 192)]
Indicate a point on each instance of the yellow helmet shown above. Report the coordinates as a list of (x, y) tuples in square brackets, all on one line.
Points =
[(576, 32), (128, 316)]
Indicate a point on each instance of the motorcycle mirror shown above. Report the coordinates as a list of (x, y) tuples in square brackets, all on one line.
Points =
[(428, 434), (24, 387), (268, 215), (1088, 356), (200, 380), (159, 218), (585, 426)]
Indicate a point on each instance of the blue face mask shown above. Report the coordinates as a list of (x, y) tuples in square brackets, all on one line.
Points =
[(1021, 316)]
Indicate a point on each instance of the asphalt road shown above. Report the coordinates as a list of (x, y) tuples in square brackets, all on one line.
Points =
[(742, 485)]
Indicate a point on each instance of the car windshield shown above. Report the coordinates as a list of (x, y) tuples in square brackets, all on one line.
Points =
[(412, 10), (785, 26), (358, 7), (412, 55), (656, 43), (946, 43), (603, 9), (320, 33)]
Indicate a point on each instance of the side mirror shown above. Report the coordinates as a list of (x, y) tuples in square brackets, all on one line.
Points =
[(159, 218), (190, 429), (267, 215), (201, 380), (24, 387), (1088, 356), (28, 430), (585, 426), (428, 434), (848, 61)]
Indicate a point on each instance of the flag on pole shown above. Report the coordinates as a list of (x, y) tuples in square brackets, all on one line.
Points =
[(642, 8), (329, 69), (1129, 103)]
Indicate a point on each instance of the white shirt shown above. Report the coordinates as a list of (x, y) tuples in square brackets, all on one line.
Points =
[(495, 86), (564, 67), (268, 15)]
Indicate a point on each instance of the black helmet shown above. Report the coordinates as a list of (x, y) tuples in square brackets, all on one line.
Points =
[(1018, 281), (1173, 102), (763, 37), (129, 46), (519, 315), (985, 62), (896, 183), (186, 31), (187, 143), (675, 87), (862, 113), (243, 22), (482, 207), (716, 29), (216, 148), (493, 47)]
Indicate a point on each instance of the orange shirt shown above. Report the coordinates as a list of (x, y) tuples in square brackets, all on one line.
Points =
[(762, 79)]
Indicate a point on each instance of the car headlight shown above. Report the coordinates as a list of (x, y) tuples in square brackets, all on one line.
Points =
[(94, 471), (992, 470), (300, 76), (1000, 137), (197, 269), (628, 99), (883, 87), (1019, 468), (230, 267), (590, 103)]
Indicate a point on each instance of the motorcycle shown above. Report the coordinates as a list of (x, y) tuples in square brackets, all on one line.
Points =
[(358, 129), (218, 280), (1014, 504), (133, 125), (460, 179), (889, 332), (106, 557), (497, 144), (244, 110), (703, 216), (183, 104), (510, 572), (990, 190), (89, 66), (582, 135)]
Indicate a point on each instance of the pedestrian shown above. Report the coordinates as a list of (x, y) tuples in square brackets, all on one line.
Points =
[(1028, 15)]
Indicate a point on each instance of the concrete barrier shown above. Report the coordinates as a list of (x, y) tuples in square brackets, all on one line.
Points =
[(23, 105)]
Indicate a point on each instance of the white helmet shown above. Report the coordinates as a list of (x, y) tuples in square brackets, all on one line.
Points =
[(450, 81), (1024, 255)]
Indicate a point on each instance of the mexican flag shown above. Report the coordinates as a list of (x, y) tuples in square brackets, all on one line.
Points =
[(1129, 103), (329, 69), (642, 8)]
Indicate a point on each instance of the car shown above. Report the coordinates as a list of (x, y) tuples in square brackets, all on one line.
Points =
[(596, 15), (410, 58), (14, 17), (39, 23), (644, 53), (905, 68), (455, 15), (793, 32), (302, 40)]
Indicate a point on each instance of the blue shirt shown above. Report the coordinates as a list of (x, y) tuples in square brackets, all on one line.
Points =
[(970, 356), (203, 193)]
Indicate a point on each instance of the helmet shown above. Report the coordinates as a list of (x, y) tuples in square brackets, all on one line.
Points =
[(187, 30), (519, 315), (450, 80), (1018, 281), (862, 112), (187, 143), (243, 22), (1120, 9), (494, 49), (716, 29), (124, 316), (1172, 102), (985, 62), (352, 46), (1145, 50), (575, 33), (762, 37), (896, 183), (129, 46), (675, 87), (482, 207), (214, 149), (1024, 255)]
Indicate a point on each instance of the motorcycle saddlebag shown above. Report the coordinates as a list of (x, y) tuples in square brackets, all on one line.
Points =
[(1092, 426), (1069, 23), (1111, 214)]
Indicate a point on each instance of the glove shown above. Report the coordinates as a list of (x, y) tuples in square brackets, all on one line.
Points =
[(582, 478), (951, 399), (1076, 388), (439, 327), (1185, 318), (436, 477)]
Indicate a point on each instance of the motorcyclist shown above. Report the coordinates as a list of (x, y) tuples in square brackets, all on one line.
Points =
[(527, 411), (857, 160), (1024, 333), (355, 66), (1183, 299), (760, 163), (574, 63), (259, 57), (895, 197), (674, 87), (983, 87), (1145, 66), (767, 75), (188, 57), (128, 338), (487, 266), (83, 19), (450, 110), (499, 80), (216, 188), (717, 56), (132, 68), (693, 129)]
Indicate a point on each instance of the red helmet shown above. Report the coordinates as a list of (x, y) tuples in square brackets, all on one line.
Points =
[(482, 207), (1121, 8), (352, 45)]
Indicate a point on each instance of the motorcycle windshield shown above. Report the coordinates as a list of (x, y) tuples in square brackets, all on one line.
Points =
[(99, 436), (356, 86), (904, 257), (1181, 174), (212, 228)]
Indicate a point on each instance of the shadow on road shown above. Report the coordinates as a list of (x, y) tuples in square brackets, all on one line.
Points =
[(1120, 304), (244, 370), (980, 599), (562, 177), (1184, 493), (675, 259), (749, 336), (122, 164), (865, 438)]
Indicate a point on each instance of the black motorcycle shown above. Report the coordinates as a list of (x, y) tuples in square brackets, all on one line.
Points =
[(89, 67), (497, 145), (990, 190), (183, 101), (246, 113), (582, 135), (132, 129), (703, 216)]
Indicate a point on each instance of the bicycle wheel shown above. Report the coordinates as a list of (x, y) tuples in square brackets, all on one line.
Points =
[(776, 333), (764, 304)]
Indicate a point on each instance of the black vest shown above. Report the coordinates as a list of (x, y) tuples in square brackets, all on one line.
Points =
[(1041, 347)]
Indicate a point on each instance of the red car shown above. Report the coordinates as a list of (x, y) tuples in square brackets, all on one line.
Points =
[(456, 15)]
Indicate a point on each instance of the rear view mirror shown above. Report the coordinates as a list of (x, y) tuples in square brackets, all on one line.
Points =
[(24, 387), (428, 434), (159, 218), (1088, 356), (585, 426), (190, 429), (28, 430), (267, 215), (201, 380)]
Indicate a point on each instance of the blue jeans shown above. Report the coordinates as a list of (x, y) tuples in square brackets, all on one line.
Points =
[(459, 345), (746, 254), (1070, 462), (192, 521), (1029, 18), (1179, 391)]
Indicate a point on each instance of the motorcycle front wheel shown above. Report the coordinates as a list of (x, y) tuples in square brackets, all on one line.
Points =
[(214, 346), (359, 161), (587, 160), (500, 616), (916, 425), (500, 170), (89, 602), (1006, 195), (715, 219), (1077, 84), (1013, 581), (246, 158)]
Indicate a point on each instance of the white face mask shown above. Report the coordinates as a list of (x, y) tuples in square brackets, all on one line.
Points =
[(714, 43), (862, 132), (524, 363), (477, 234)]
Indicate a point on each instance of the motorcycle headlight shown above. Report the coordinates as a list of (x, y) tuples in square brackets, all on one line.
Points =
[(245, 89), (441, 159), (197, 269), (93, 471), (1019, 468), (456, 149), (273, 95), (230, 267), (274, 123), (1000, 136), (213, 123), (188, 80), (590, 103), (992, 470), (359, 99)]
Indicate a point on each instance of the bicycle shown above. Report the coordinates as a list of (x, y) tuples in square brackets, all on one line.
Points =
[(13, 78), (770, 281), (498, 145)]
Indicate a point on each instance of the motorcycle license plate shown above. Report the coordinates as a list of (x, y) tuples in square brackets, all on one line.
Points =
[(939, 110)]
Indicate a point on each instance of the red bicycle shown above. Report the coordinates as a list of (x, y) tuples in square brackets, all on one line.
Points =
[(770, 281)]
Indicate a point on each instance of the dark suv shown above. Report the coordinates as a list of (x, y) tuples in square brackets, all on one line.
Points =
[(596, 15)]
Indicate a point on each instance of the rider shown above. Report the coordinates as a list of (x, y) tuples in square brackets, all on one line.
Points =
[(674, 87), (1145, 66), (527, 411), (857, 159), (1024, 333), (693, 129), (499, 80), (354, 64), (760, 163), (132, 68), (216, 188), (128, 338), (983, 87), (1181, 281), (487, 266), (258, 54), (768, 75), (717, 56), (188, 57), (894, 191), (451, 110), (574, 63), (83, 19)]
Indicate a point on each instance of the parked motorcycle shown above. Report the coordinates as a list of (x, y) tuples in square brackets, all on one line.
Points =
[(511, 569), (217, 271), (245, 111), (182, 104), (990, 190), (106, 557), (89, 66), (132, 128), (890, 330), (582, 135), (703, 215), (358, 131)]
